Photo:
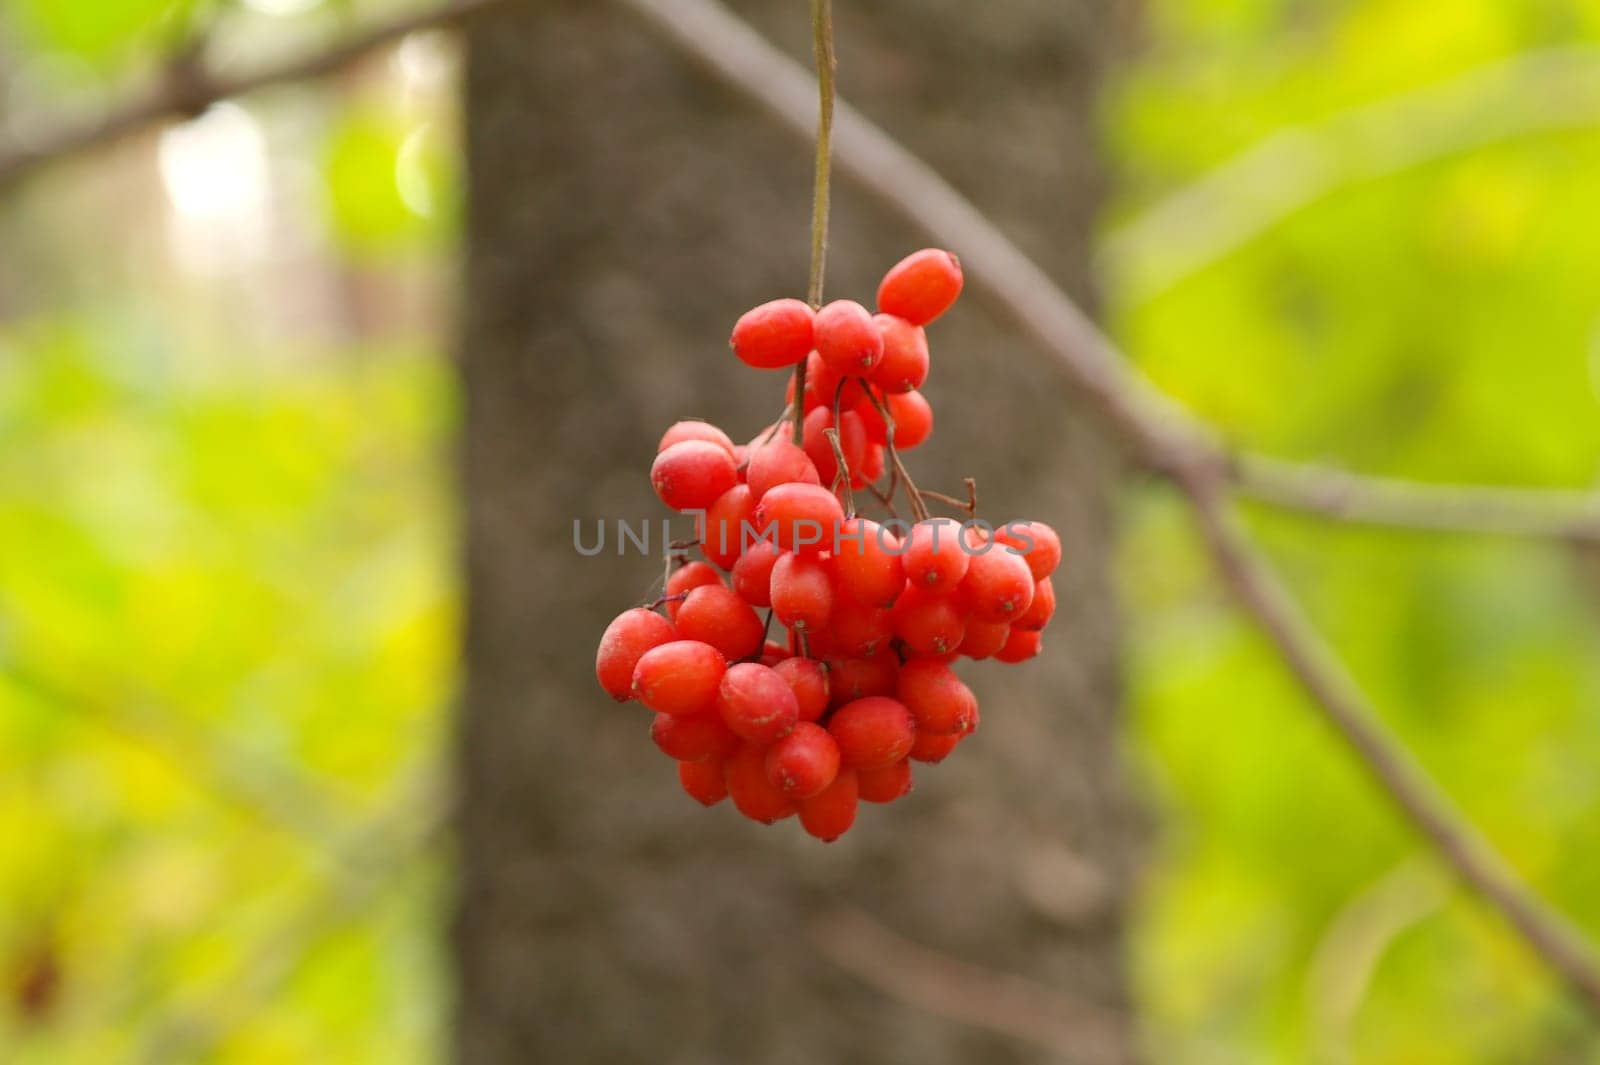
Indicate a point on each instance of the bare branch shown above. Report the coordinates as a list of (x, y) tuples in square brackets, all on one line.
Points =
[(1454, 508), (1166, 439), (196, 89)]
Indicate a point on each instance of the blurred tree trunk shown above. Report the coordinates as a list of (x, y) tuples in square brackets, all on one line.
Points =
[(623, 212)]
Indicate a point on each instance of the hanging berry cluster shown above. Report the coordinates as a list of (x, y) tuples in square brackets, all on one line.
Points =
[(874, 614)]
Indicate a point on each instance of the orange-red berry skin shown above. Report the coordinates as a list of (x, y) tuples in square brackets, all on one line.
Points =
[(752, 573), (625, 641), (1023, 645), (690, 429), (860, 631), (939, 702), (884, 784), (681, 677), (934, 749), (846, 338), (773, 335), (1042, 609), (685, 579), (693, 737), (913, 418), (934, 559), (1039, 543), (831, 813), (777, 462), (756, 703), (802, 592), (983, 639), (873, 732), (692, 474), (715, 614), (722, 526), (904, 365), (922, 286), (850, 679), (998, 585), (804, 762), (867, 563), (809, 682), (800, 512), (928, 624), (745, 774), (703, 781)]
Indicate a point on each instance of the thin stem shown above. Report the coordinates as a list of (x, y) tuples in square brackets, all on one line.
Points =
[(843, 475), (919, 508), (822, 44)]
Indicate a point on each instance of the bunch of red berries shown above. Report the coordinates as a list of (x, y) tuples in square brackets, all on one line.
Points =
[(873, 614)]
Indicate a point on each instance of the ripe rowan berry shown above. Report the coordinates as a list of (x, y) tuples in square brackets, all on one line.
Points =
[(804, 762), (830, 813), (804, 515), (868, 563), (859, 631), (685, 579), (846, 339), (721, 527), (850, 679), (939, 702), (693, 737), (928, 624), (773, 335), (922, 286), (756, 703), (693, 429), (704, 780), (885, 784), (998, 585), (752, 573), (691, 474), (935, 559), (873, 732), (1041, 610), (809, 682), (681, 677), (802, 592), (904, 365), (913, 418), (778, 462), (983, 639), (715, 614), (745, 774), (624, 642), (934, 749), (1022, 645), (1039, 544)]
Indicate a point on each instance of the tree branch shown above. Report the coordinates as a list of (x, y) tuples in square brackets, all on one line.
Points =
[(1163, 437), (196, 89)]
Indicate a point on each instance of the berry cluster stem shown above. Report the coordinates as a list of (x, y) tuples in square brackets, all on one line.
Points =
[(822, 44)]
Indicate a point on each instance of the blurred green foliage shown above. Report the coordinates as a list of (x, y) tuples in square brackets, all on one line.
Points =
[(228, 619)]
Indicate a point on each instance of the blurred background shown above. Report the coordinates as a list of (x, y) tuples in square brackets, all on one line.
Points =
[(231, 601)]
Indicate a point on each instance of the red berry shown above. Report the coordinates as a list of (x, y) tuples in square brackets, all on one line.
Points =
[(685, 579), (860, 631), (806, 516), (716, 615), (935, 559), (939, 703), (773, 335), (804, 762), (872, 466), (691, 474), (681, 677), (704, 781), (802, 592), (756, 703), (624, 642), (693, 737), (830, 813), (846, 339), (809, 682), (1022, 646), (1037, 542), (913, 419), (998, 586), (773, 652), (934, 749), (868, 563), (984, 639), (752, 573), (928, 624), (756, 797), (850, 679), (722, 527), (692, 429), (904, 365), (921, 287), (1042, 609), (873, 732), (886, 784), (779, 462)]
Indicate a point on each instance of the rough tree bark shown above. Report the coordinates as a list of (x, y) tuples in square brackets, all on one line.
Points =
[(623, 212)]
